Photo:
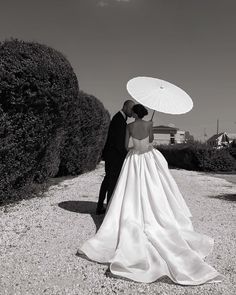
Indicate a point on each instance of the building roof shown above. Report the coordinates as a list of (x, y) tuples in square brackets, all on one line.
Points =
[(215, 136), (224, 135), (164, 129)]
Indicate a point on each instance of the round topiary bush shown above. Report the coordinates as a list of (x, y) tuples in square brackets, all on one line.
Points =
[(88, 127), (38, 89)]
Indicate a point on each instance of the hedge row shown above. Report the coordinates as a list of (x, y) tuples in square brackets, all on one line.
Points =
[(86, 136), (42, 118), (199, 157)]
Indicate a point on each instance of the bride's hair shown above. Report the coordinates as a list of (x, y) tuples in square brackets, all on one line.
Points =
[(140, 110)]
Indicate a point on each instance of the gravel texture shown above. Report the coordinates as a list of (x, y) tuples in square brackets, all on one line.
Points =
[(39, 239)]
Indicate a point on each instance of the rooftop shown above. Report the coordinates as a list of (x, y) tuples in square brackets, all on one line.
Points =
[(164, 129)]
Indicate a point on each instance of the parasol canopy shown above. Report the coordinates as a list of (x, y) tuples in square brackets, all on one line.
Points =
[(159, 95)]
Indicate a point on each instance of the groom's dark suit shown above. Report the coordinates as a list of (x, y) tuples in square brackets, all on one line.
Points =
[(114, 154)]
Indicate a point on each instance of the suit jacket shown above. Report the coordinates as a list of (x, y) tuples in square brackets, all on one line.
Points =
[(115, 143)]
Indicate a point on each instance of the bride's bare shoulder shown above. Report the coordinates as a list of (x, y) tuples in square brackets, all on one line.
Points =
[(149, 123), (130, 125)]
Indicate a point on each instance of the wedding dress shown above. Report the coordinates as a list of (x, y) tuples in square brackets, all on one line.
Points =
[(147, 232)]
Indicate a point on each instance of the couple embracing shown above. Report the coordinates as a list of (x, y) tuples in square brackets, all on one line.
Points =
[(147, 232), (114, 153)]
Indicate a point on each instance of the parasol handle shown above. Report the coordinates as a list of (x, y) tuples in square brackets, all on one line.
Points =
[(153, 115)]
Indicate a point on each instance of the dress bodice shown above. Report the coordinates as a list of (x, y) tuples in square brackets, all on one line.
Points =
[(141, 145)]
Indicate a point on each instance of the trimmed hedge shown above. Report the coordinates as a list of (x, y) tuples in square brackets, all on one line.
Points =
[(38, 88), (232, 150), (88, 127), (198, 157), (215, 160)]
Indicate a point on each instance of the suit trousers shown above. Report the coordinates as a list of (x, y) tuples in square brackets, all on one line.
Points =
[(113, 165)]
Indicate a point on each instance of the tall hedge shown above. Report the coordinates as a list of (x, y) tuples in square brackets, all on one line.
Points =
[(88, 127), (38, 89)]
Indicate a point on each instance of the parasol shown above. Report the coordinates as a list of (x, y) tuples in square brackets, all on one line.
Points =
[(159, 95)]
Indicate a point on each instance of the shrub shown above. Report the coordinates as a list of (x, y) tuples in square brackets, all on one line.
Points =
[(198, 156), (181, 155), (88, 126), (215, 160), (232, 151), (37, 92)]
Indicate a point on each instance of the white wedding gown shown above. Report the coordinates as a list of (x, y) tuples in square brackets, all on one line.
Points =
[(147, 232)]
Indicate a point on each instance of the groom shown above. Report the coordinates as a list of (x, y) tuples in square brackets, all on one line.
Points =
[(114, 153)]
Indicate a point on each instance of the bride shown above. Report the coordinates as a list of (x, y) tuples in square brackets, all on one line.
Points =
[(147, 232)]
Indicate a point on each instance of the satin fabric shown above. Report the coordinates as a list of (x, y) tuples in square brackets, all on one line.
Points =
[(147, 232)]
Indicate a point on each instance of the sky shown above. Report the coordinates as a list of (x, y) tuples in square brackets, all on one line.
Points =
[(190, 43)]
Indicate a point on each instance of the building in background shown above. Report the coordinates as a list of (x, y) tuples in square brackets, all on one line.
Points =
[(218, 140), (221, 140), (180, 136), (169, 135)]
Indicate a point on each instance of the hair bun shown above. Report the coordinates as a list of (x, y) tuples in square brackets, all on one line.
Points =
[(140, 110)]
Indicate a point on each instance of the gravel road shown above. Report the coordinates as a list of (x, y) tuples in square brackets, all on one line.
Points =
[(39, 239)]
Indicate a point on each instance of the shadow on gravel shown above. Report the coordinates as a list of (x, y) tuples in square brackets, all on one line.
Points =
[(83, 207), (226, 197)]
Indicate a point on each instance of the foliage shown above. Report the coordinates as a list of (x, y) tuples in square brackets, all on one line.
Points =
[(232, 150), (215, 160), (37, 92), (88, 126), (197, 156)]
